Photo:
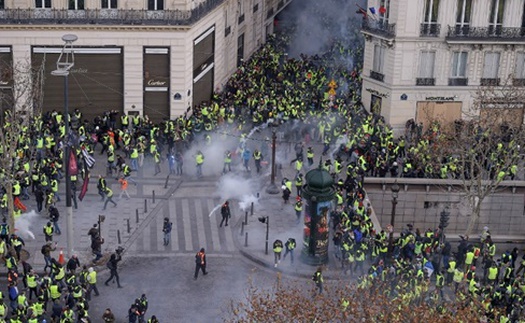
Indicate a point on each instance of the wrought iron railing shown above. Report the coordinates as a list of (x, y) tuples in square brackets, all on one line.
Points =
[(492, 32), (429, 29), (107, 16), (377, 76), (489, 81), (426, 81), (518, 82), (458, 81), (379, 28)]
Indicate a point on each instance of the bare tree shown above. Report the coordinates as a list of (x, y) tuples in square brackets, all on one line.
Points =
[(18, 98), (350, 301), (485, 148)]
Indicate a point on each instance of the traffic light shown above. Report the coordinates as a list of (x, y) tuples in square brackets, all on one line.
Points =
[(443, 219), (262, 219)]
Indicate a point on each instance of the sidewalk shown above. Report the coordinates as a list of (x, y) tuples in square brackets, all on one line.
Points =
[(87, 214)]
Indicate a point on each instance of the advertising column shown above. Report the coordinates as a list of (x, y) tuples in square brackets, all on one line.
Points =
[(318, 194)]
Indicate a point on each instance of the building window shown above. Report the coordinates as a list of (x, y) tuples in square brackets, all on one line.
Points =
[(464, 10), (426, 68), (109, 4), (459, 65), (240, 50), (377, 68), (497, 9), (155, 4), (42, 4), (76, 4), (491, 65), (2, 4), (431, 11), (519, 71), (430, 27), (384, 14), (379, 57), (375, 104), (240, 8)]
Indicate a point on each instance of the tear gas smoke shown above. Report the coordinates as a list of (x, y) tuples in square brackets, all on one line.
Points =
[(23, 224)]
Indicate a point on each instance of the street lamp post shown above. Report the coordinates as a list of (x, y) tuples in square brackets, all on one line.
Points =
[(65, 62), (395, 191), (272, 188)]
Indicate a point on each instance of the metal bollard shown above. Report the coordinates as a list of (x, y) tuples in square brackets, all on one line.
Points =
[(246, 239), (145, 206), (246, 217), (129, 226), (137, 215), (118, 237), (251, 209), (166, 183), (153, 197), (242, 228)]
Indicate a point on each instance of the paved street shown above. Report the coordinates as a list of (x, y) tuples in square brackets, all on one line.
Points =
[(173, 294)]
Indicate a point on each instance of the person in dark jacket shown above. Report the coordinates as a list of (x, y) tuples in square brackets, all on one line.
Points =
[(112, 265), (225, 212)]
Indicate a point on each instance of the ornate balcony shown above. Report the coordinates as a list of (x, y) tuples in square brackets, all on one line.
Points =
[(377, 76), (429, 29), (107, 16), (492, 33), (458, 81), (425, 81), (489, 82), (378, 28)]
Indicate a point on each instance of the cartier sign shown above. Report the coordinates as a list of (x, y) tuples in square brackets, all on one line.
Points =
[(154, 82)]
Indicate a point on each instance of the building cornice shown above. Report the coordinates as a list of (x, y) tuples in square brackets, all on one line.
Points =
[(115, 28)]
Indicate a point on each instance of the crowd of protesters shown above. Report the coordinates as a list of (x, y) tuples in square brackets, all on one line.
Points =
[(270, 87)]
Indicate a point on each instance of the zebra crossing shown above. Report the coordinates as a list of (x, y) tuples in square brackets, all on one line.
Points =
[(192, 229)]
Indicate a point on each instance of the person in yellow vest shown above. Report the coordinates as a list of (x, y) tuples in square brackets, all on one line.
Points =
[(68, 316), (91, 283), (32, 283), (17, 244), (48, 231), (199, 160), (277, 249), (3, 310), (298, 209), (257, 157), (109, 198), (156, 158), (310, 156), (299, 183), (54, 291), (318, 279), (227, 162)]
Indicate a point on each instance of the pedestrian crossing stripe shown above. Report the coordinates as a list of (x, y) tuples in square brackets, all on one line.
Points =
[(192, 229)]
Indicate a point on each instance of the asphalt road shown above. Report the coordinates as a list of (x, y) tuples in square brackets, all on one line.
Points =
[(173, 294)]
